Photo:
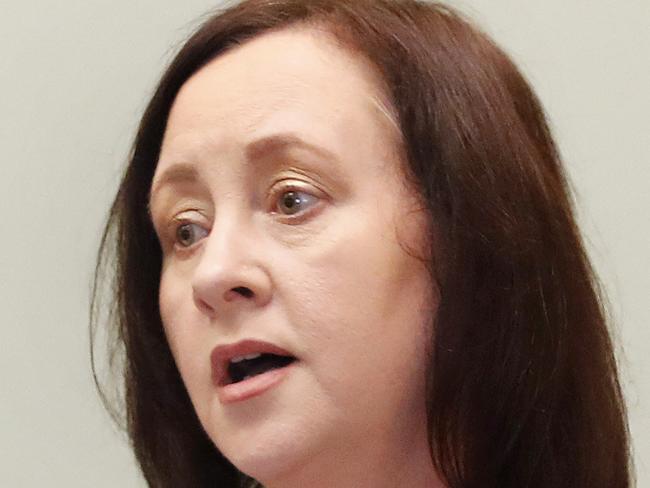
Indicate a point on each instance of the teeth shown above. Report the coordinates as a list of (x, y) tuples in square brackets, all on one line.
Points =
[(239, 359)]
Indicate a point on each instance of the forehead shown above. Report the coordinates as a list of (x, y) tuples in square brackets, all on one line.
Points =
[(296, 80)]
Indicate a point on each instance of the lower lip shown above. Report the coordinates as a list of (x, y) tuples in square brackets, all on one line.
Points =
[(252, 387)]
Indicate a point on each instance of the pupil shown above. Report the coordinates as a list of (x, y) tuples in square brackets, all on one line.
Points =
[(290, 200), (185, 234)]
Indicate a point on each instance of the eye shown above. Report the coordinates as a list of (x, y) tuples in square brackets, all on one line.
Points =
[(188, 234), (292, 202)]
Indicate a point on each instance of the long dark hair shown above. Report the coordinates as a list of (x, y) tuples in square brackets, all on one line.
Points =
[(522, 383)]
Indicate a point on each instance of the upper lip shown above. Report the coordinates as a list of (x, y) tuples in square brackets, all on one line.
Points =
[(222, 354)]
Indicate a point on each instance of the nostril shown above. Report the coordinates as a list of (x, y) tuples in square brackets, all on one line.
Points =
[(243, 291)]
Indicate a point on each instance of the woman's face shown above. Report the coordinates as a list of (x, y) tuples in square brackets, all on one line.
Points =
[(284, 218)]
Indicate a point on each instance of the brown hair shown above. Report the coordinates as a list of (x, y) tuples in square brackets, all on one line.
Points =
[(522, 382)]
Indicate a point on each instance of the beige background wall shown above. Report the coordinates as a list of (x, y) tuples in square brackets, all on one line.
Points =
[(74, 77)]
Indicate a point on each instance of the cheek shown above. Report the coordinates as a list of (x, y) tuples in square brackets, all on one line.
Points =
[(170, 300), (365, 269), (184, 334), (177, 309), (365, 311)]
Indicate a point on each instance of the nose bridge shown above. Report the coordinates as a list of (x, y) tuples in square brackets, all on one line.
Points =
[(225, 246), (230, 270)]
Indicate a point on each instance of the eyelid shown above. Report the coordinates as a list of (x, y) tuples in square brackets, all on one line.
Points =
[(298, 184), (165, 210), (189, 216)]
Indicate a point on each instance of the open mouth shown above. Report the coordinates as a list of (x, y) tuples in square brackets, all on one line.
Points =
[(241, 368)]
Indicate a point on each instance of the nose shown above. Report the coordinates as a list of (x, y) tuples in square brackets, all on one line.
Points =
[(231, 274)]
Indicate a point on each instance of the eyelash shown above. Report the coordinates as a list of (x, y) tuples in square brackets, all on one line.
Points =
[(275, 198), (275, 195)]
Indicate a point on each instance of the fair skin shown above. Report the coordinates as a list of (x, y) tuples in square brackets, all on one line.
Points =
[(327, 272)]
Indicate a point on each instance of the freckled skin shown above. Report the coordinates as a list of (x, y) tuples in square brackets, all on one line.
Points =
[(335, 287)]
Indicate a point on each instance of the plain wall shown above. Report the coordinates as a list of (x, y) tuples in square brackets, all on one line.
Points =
[(75, 76)]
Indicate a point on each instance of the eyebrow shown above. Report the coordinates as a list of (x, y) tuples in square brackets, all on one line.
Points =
[(274, 143), (177, 173), (254, 151)]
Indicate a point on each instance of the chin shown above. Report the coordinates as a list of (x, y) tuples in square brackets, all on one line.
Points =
[(267, 457), (264, 439)]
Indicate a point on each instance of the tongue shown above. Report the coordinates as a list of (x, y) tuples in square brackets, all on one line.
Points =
[(262, 364)]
